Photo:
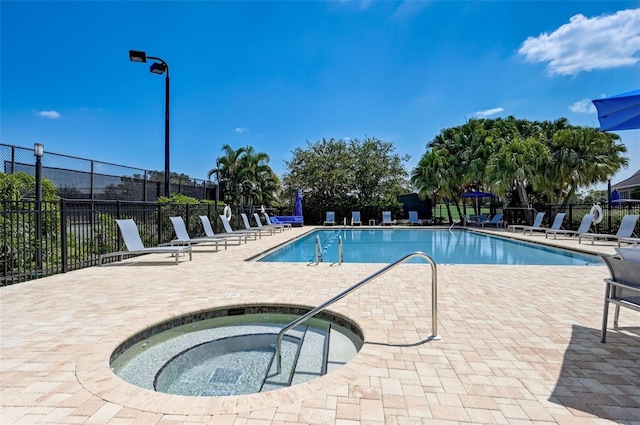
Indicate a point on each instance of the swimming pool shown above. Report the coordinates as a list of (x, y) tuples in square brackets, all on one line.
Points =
[(443, 246)]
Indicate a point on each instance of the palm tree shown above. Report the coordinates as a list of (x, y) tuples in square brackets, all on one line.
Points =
[(228, 171), (245, 176)]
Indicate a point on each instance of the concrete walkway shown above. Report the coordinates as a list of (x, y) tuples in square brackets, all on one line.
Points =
[(520, 344)]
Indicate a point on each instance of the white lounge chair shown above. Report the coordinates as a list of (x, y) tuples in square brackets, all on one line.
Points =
[(557, 225), (625, 231), (330, 218), (259, 228), (355, 218), (208, 231), (584, 227), (277, 227), (134, 245), (183, 238), (386, 218), (287, 226), (537, 222), (231, 231)]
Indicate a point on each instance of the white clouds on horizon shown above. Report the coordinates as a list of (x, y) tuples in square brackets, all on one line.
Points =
[(586, 44), (584, 106), (240, 130), (54, 115), (488, 112)]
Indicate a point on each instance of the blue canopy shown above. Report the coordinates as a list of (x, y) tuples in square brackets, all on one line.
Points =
[(476, 195), (619, 112)]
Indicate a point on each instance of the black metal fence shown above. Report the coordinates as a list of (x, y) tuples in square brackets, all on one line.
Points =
[(80, 178), (75, 232)]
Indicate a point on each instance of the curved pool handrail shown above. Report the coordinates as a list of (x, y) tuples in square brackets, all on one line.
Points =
[(311, 313)]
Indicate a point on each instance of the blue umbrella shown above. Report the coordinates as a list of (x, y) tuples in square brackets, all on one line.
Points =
[(615, 197), (297, 206), (619, 112)]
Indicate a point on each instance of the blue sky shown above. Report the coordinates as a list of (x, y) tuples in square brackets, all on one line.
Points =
[(275, 75)]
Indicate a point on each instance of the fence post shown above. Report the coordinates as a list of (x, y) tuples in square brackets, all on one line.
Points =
[(63, 236), (92, 182), (159, 220)]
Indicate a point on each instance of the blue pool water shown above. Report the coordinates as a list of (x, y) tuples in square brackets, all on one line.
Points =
[(442, 245)]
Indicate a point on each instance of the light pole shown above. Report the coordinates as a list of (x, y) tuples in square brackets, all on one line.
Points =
[(217, 183), (38, 151), (159, 68)]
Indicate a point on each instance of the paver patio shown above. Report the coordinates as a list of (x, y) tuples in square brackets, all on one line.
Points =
[(520, 344)]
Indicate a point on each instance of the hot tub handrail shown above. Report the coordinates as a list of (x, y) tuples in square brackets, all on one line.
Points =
[(311, 313)]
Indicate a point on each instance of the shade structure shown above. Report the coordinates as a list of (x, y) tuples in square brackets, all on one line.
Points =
[(476, 195), (619, 112), (297, 206)]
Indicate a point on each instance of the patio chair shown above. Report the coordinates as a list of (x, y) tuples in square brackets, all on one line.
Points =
[(584, 227), (276, 227), (496, 220), (477, 220), (259, 228), (183, 238), (413, 218), (537, 222), (355, 218), (286, 226), (386, 218), (208, 231), (622, 288), (627, 226), (231, 231), (557, 225), (330, 218), (134, 245)]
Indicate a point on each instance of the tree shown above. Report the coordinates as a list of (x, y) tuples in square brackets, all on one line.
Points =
[(245, 176), (535, 160), (340, 175), (580, 157)]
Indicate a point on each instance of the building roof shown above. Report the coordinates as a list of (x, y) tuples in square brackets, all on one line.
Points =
[(631, 182)]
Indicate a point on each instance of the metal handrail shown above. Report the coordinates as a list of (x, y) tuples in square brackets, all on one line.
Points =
[(318, 249), (340, 250), (311, 313)]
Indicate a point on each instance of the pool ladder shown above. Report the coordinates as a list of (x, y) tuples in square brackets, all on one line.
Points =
[(311, 313), (318, 258)]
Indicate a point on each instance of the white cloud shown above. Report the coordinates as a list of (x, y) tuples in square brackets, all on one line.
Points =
[(488, 112), (240, 130), (585, 44), (584, 106), (54, 115)]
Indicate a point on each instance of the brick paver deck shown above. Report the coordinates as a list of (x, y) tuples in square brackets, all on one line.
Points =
[(520, 344)]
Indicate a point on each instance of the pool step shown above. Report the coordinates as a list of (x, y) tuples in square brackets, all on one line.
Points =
[(342, 348), (312, 359)]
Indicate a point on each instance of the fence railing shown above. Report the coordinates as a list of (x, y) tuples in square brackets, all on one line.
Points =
[(75, 232), (81, 178)]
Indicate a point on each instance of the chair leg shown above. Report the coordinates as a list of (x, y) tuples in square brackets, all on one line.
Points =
[(605, 313), (615, 317)]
